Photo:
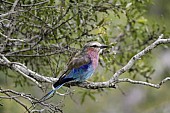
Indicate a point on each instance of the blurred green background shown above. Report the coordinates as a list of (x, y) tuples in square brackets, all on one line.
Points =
[(137, 98)]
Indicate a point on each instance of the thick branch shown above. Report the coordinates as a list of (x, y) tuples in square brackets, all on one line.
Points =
[(114, 79), (138, 56), (36, 78), (22, 69)]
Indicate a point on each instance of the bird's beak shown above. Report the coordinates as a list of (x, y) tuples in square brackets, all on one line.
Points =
[(103, 46)]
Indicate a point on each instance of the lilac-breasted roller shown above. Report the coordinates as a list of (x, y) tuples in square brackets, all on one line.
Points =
[(81, 67)]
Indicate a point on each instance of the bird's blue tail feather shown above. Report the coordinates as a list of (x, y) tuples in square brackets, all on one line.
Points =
[(49, 94)]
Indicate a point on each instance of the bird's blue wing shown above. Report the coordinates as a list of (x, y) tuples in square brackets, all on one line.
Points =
[(75, 63)]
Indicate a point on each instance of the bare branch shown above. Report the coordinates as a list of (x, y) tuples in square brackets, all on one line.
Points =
[(114, 79), (164, 80), (138, 56), (8, 13), (14, 5), (144, 83), (138, 82), (35, 77), (16, 96), (93, 85), (22, 69), (13, 97), (19, 102), (36, 4), (42, 28), (12, 11)]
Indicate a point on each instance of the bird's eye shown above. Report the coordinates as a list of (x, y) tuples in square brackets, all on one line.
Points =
[(94, 46)]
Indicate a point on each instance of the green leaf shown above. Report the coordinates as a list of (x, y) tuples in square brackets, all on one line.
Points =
[(83, 97), (92, 96), (142, 20), (101, 22)]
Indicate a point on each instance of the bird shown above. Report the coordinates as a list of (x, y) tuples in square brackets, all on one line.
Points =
[(80, 68)]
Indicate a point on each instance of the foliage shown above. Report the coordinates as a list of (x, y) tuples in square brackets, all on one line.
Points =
[(44, 35)]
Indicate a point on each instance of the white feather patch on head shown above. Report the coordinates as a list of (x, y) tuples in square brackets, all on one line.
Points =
[(93, 43)]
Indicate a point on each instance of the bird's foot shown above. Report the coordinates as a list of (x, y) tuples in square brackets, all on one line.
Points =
[(68, 92)]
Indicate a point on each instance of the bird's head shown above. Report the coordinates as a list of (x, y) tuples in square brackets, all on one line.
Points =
[(94, 47)]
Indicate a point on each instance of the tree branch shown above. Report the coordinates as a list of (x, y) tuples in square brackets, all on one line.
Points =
[(138, 56), (17, 95), (12, 9), (36, 78), (114, 80), (144, 83), (23, 70)]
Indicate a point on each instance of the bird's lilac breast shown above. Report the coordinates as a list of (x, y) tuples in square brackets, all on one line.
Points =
[(82, 73), (94, 56)]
